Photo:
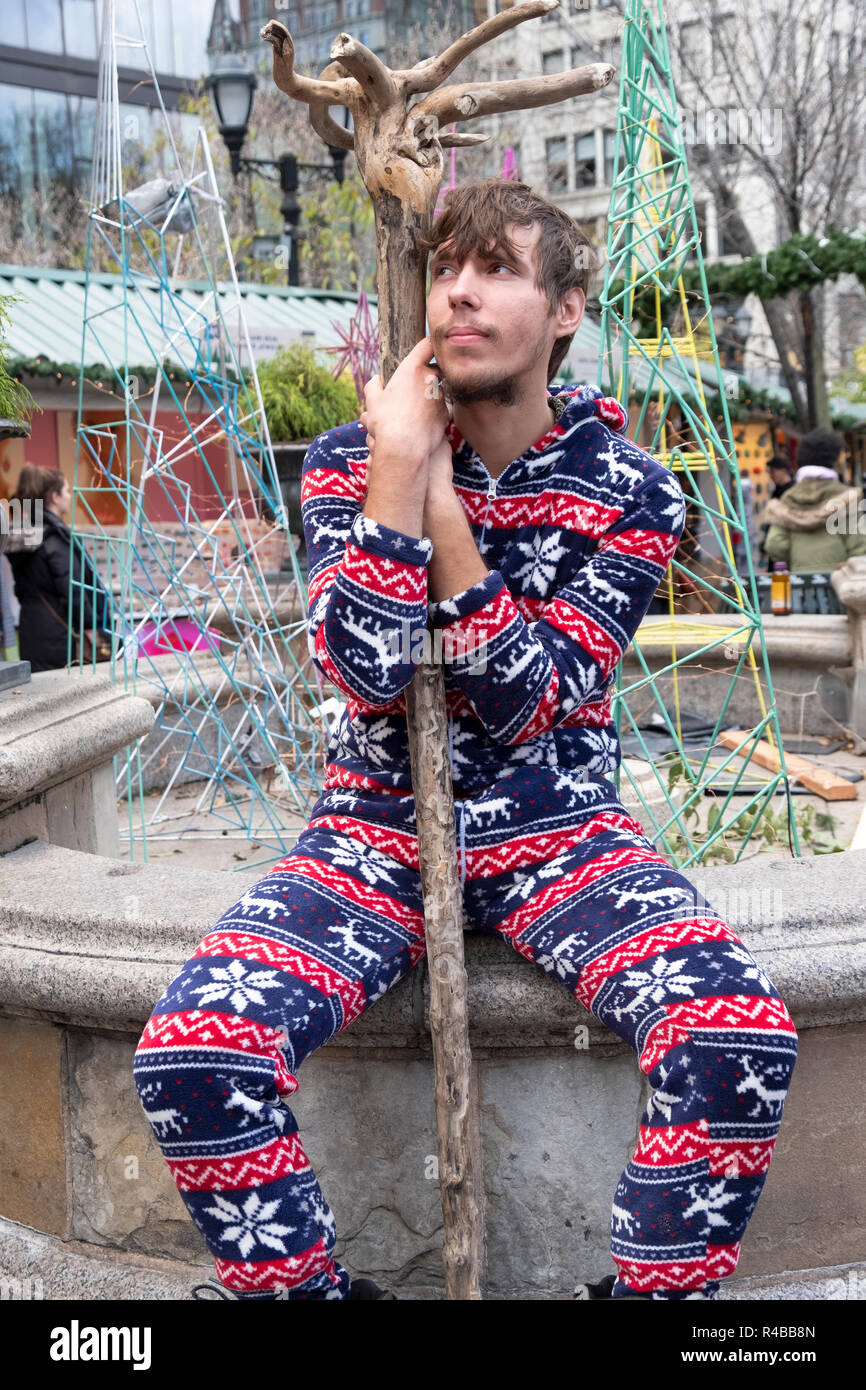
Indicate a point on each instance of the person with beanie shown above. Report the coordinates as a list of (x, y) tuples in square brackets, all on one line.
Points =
[(810, 527)]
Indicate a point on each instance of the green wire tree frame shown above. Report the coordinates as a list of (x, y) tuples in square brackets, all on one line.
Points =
[(653, 245)]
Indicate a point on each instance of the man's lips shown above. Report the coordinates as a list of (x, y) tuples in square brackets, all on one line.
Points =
[(457, 335)]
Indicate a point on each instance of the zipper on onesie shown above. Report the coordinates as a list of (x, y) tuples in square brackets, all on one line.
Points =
[(491, 494)]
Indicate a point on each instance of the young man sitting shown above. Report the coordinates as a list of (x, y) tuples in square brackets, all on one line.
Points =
[(532, 535)]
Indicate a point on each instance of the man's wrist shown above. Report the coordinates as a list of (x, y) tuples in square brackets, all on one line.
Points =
[(401, 457), (444, 506), (395, 495)]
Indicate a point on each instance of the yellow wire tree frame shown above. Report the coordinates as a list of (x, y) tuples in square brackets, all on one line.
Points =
[(652, 235)]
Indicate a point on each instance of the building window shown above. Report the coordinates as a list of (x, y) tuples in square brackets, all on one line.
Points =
[(609, 153), (692, 47), (553, 61), (44, 29), (611, 52), (584, 161), (724, 44), (14, 27), (556, 154)]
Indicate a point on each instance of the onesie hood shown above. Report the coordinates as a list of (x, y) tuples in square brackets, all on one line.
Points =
[(582, 402)]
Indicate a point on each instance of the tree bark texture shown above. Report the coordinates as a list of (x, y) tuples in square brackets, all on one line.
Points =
[(402, 278), (457, 1102)]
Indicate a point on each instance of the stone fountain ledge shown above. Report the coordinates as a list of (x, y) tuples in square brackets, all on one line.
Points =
[(92, 942)]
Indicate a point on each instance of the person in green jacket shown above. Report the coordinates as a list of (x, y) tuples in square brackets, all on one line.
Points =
[(817, 524)]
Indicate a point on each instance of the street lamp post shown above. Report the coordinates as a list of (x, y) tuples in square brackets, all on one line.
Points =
[(232, 87)]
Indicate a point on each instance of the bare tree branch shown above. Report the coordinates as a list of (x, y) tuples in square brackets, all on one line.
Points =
[(369, 72), (462, 139), (467, 101), (433, 71), (302, 88), (323, 122)]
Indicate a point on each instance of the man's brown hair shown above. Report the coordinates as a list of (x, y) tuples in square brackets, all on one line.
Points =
[(476, 217)]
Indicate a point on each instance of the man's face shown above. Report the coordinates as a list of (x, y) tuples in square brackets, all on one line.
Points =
[(490, 324)]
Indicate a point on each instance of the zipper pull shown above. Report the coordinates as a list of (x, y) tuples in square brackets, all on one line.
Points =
[(491, 493)]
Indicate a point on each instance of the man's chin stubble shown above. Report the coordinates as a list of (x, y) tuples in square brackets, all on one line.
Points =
[(500, 392)]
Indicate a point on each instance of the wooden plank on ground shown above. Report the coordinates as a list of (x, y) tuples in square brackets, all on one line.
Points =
[(819, 780)]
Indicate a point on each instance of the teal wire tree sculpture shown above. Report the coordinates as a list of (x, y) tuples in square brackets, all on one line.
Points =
[(208, 623), (659, 351)]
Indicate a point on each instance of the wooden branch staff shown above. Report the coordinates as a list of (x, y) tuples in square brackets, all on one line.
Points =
[(399, 151)]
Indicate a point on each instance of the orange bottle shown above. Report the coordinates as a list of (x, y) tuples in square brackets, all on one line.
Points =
[(780, 590)]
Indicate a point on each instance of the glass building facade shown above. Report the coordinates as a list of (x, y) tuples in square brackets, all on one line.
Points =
[(49, 51), (176, 33)]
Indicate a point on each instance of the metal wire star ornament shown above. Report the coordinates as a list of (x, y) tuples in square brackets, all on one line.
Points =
[(359, 349)]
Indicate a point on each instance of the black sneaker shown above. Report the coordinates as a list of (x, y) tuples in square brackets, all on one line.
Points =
[(211, 1293), (358, 1289), (596, 1293), (366, 1289)]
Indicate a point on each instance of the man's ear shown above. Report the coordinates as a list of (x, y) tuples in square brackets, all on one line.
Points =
[(570, 313)]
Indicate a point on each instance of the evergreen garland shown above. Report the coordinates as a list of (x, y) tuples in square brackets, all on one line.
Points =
[(300, 396), (798, 264), (97, 374)]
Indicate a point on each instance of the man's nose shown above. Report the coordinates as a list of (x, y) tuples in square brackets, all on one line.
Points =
[(463, 288)]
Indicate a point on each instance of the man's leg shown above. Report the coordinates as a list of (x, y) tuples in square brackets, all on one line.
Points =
[(301, 955), (587, 897)]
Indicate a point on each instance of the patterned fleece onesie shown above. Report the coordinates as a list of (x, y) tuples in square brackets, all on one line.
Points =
[(577, 533)]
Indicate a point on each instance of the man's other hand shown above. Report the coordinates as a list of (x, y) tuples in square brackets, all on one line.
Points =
[(408, 416), (405, 423)]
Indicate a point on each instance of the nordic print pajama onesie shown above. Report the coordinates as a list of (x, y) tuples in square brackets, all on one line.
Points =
[(577, 534)]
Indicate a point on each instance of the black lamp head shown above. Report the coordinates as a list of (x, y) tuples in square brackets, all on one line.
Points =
[(232, 87)]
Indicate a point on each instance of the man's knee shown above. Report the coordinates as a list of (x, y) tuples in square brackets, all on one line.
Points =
[(199, 1049)]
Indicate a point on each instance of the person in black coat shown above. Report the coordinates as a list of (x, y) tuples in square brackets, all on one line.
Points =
[(45, 573)]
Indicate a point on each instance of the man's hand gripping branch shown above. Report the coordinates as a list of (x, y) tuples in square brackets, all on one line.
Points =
[(409, 473)]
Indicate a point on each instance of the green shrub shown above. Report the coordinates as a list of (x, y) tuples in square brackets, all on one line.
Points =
[(301, 398), (16, 402)]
